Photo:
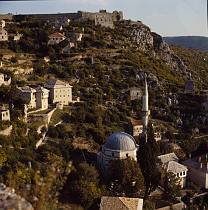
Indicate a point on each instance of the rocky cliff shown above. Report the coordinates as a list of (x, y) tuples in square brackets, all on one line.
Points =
[(152, 43)]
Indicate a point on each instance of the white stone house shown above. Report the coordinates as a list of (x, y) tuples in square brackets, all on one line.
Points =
[(35, 98), (28, 95), (136, 127), (198, 171), (169, 162), (56, 38), (4, 80), (60, 92), (3, 35), (118, 146), (42, 96), (4, 114)]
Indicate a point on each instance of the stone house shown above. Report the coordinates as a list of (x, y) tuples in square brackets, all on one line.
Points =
[(135, 93), (169, 162), (35, 98), (56, 38), (198, 170), (4, 80), (3, 35), (60, 92), (28, 95), (42, 96), (136, 127), (4, 114), (121, 203)]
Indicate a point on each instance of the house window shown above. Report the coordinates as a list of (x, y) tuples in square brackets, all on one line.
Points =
[(184, 173), (112, 154), (127, 155)]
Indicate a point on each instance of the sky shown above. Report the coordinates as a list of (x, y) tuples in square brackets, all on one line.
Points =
[(166, 17)]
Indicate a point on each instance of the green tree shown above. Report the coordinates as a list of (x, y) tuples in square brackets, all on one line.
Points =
[(84, 185), (148, 152), (172, 186), (125, 178)]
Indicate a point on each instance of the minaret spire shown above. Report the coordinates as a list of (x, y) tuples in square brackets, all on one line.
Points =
[(145, 108)]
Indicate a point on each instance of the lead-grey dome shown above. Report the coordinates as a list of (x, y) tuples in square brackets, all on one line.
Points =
[(120, 141)]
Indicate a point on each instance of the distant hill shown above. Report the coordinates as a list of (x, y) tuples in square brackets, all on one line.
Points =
[(195, 42)]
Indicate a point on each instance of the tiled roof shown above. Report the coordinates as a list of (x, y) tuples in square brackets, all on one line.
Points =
[(56, 83), (120, 203), (135, 122), (26, 89), (175, 167), (41, 89), (168, 157), (56, 35)]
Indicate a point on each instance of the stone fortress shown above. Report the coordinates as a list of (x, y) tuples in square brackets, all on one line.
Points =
[(103, 18)]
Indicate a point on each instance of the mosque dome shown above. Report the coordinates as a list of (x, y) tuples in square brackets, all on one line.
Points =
[(120, 141)]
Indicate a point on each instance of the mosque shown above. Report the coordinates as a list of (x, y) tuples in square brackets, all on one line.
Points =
[(121, 145)]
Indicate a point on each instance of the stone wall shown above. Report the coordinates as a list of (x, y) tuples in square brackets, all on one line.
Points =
[(177, 206), (102, 17)]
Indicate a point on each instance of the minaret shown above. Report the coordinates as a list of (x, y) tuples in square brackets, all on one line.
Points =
[(145, 109)]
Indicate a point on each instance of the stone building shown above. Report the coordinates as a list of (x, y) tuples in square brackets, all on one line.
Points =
[(60, 92), (121, 203), (56, 38), (4, 80), (103, 18), (35, 98), (136, 127), (28, 95), (198, 170), (42, 96), (3, 35), (135, 93), (120, 146), (169, 162), (4, 114)]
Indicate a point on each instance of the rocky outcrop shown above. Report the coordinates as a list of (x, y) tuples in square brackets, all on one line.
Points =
[(162, 50), (143, 39), (9, 200)]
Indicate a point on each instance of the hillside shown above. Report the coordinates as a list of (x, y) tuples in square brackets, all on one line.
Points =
[(195, 42), (197, 63), (102, 67)]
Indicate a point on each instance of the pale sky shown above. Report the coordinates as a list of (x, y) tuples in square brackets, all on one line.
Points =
[(166, 17)]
